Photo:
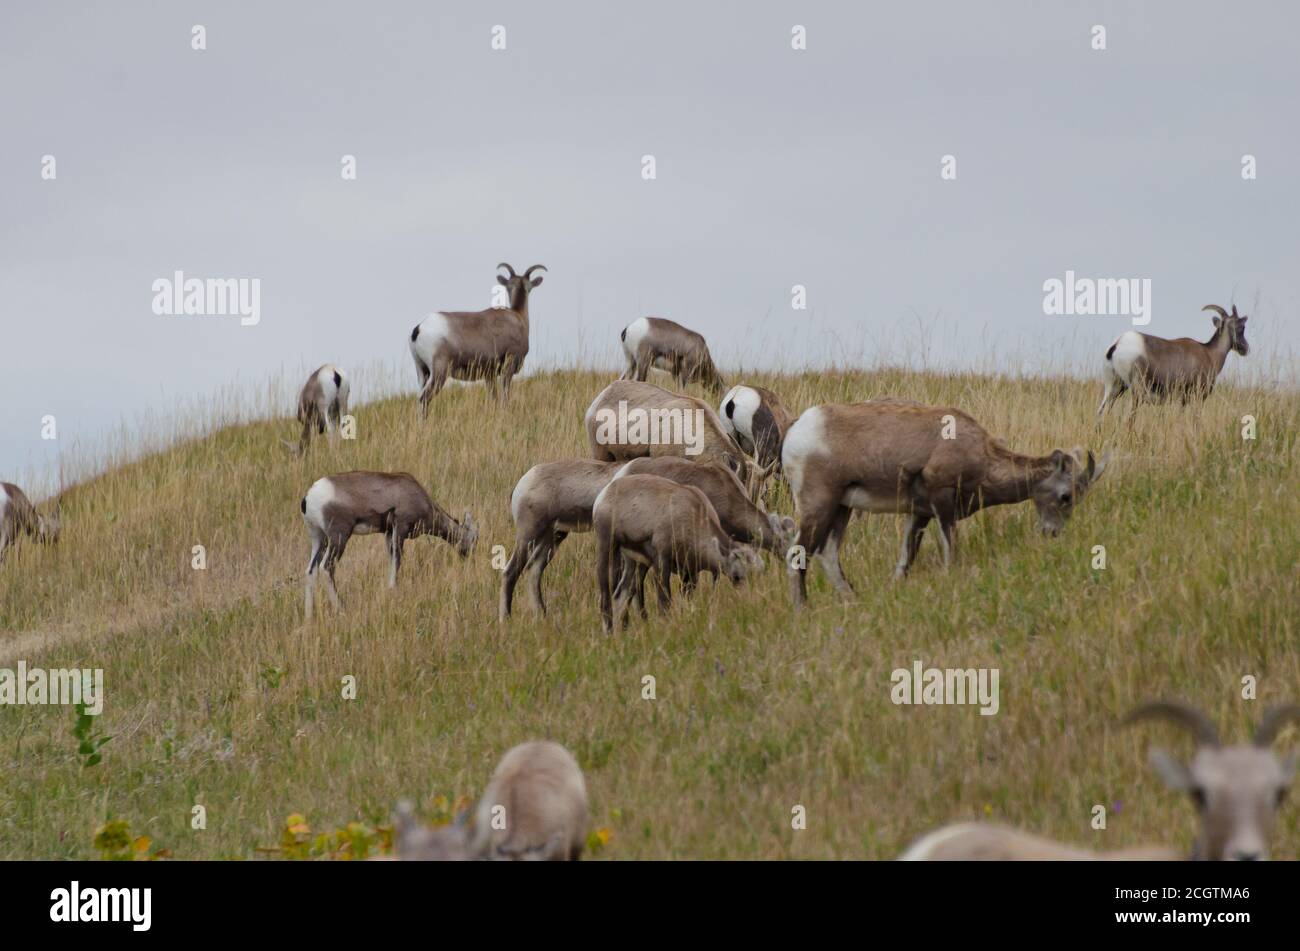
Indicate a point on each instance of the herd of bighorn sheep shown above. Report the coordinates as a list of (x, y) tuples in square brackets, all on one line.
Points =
[(681, 491)]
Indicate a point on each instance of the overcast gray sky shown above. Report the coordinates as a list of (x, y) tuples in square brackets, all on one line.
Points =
[(774, 167)]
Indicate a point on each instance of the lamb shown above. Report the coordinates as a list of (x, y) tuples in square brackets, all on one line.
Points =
[(488, 345), (667, 345), (740, 517), (1163, 368), (629, 419), (19, 517), (322, 404), (925, 462), (534, 809), (361, 503), (550, 501), (1237, 791), (655, 523)]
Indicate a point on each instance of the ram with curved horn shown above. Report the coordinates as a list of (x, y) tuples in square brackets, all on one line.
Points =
[(1158, 368), (1237, 791), (488, 345)]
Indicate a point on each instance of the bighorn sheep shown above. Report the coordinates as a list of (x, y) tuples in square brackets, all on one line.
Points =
[(550, 501), (1164, 368), (361, 503), (475, 345), (1237, 791), (757, 420), (19, 517), (740, 517), (655, 523), (925, 462), (667, 345), (629, 419), (534, 809), (322, 404)]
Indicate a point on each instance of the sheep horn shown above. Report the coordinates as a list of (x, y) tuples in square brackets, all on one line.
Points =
[(1222, 313), (512, 270), (535, 267), (1274, 719), (1196, 722)]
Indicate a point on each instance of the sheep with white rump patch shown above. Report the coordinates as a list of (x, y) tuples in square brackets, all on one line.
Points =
[(666, 345), (488, 345), (1237, 791), (652, 522), (924, 462), (757, 420), (1160, 368), (19, 517), (362, 503), (322, 404), (534, 809)]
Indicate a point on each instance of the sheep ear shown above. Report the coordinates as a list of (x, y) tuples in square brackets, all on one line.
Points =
[(501, 279), (535, 281), (1058, 459), (1218, 321), (1101, 466), (1175, 774)]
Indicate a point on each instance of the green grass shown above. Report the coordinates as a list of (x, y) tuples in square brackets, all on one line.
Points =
[(217, 694)]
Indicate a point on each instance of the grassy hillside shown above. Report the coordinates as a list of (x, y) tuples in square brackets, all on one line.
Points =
[(217, 694)]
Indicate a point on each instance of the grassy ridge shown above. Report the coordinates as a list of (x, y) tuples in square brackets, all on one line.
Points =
[(218, 695)]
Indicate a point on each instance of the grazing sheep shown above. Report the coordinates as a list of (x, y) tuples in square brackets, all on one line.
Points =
[(1162, 368), (550, 501), (361, 503), (925, 462), (757, 419), (629, 419), (644, 521), (740, 517), (322, 404), (534, 809), (488, 345), (667, 345), (1237, 791), (19, 517)]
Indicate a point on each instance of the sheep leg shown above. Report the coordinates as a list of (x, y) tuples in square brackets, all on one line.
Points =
[(318, 548), (663, 582), (624, 590), (519, 558), (813, 528), (506, 379), (603, 556), (913, 531), (829, 555), (1114, 390), (948, 538), (333, 553), (437, 380), (638, 590), (539, 561), (394, 557)]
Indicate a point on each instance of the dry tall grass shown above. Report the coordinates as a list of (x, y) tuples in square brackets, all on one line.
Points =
[(219, 695)]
